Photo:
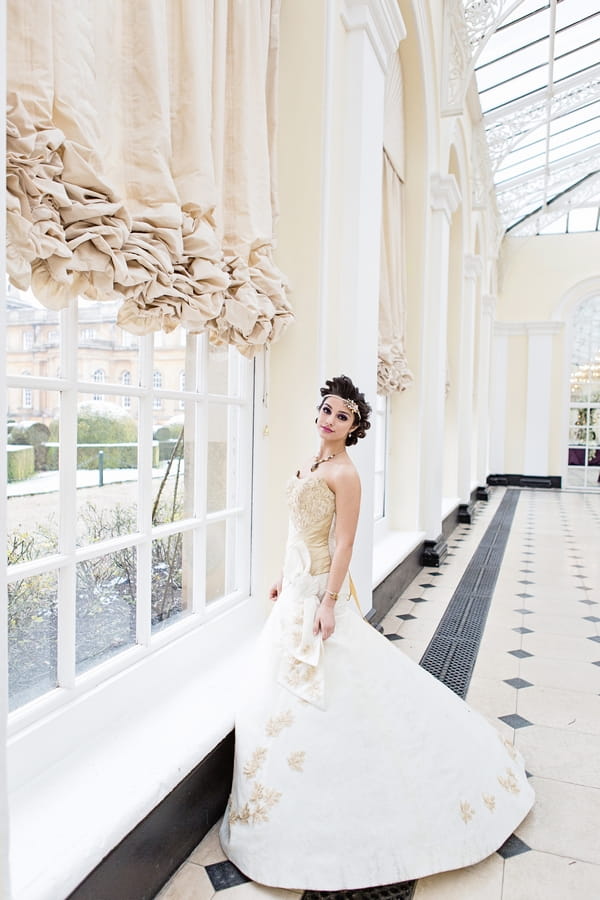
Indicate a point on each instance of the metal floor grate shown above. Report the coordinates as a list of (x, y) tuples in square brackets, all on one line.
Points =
[(452, 651), (403, 891)]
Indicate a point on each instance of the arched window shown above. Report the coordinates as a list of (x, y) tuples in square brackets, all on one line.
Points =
[(584, 403)]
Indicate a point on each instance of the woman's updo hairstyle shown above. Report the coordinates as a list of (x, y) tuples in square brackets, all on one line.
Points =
[(343, 387)]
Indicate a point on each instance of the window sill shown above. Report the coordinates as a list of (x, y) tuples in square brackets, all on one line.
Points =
[(390, 549), (110, 757)]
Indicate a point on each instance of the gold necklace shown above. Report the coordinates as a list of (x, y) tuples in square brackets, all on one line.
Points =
[(318, 461)]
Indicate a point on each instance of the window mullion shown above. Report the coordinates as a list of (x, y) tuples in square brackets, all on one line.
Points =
[(67, 578), (145, 496), (200, 477)]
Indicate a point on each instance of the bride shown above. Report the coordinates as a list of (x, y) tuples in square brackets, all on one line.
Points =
[(354, 767)]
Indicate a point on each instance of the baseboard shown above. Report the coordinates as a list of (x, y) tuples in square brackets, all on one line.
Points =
[(147, 857), (526, 481)]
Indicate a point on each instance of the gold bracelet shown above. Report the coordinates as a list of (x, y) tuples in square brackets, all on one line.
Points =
[(332, 594)]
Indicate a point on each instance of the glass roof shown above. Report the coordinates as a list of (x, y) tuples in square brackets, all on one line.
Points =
[(537, 67)]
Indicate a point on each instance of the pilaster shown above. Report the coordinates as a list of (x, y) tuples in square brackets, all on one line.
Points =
[(374, 29), (472, 269), (444, 200)]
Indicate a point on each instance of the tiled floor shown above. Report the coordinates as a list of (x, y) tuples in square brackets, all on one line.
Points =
[(537, 678)]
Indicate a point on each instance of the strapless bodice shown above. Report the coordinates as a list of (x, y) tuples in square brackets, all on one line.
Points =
[(312, 508)]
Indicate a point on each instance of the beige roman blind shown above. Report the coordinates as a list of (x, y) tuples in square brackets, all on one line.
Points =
[(393, 373), (140, 161)]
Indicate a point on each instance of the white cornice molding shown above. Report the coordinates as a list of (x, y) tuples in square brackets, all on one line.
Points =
[(473, 266), (529, 329), (381, 20), (445, 194)]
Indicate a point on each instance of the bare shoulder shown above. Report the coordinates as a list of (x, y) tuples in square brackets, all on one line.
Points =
[(344, 479)]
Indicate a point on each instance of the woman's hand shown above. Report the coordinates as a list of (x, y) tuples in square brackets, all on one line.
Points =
[(324, 620), (275, 590)]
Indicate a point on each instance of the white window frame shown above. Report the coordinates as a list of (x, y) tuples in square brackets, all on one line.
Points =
[(71, 685)]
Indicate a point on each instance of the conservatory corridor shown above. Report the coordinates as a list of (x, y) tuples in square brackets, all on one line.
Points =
[(536, 678)]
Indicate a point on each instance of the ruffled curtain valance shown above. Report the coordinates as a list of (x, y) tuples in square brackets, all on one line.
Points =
[(140, 162)]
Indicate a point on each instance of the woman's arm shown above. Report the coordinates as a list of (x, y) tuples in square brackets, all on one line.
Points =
[(346, 485)]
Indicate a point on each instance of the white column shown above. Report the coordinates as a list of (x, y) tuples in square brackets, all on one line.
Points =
[(444, 198), (539, 377), (498, 391), (486, 324), (471, 272), (374, 30)]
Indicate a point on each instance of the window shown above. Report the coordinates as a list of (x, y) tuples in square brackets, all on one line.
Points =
[(27, 398), (98, 377), (157, 384), (28, 340), (182, 387), (150, 534), (126, 379), (88, 334), (381, 440), (584, 407)]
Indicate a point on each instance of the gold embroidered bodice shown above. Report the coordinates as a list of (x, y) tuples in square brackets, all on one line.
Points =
[(312, 508)]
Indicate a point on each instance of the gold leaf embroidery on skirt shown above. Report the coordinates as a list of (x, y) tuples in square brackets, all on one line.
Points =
[(490, 801), (296, 760), (276, 724), (509, 747), (261, 801), (466, 811), (509, 782), (255, 762)]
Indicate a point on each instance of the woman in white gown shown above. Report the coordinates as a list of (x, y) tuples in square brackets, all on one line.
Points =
[(354, 767)]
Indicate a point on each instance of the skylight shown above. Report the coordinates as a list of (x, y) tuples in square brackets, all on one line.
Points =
[(538, 76)]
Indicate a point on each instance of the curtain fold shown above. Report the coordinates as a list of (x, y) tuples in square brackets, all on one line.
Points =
[(393, 373), (139, 162)]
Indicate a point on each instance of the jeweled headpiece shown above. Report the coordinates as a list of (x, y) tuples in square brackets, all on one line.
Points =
[(351, 405)]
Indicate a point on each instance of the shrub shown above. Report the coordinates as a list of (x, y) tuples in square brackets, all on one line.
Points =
[(20, 462), (104, 423)]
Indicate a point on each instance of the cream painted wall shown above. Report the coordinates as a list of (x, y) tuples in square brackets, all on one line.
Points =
[(536, 272), (293, 367)]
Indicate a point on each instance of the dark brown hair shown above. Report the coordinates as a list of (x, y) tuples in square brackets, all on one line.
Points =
[(343, 387)]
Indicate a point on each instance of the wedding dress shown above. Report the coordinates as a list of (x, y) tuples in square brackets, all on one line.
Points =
[(354, 767)]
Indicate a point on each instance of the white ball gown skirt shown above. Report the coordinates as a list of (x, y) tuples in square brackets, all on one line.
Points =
[(355, 767)]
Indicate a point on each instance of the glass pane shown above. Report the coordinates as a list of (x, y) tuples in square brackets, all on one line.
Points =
[(583, 220), (218, 370), (172, 496), (107, 472), (216, 556), (170, 555), (32, 463), (105, 607), (106, 353), (217, 457), (32, 336), (32, 629)]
